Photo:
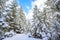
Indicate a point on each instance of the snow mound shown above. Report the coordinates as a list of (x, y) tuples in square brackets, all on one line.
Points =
[(20, 37)]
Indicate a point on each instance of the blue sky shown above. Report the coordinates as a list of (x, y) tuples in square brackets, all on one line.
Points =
[(28, 6), (25, 4)]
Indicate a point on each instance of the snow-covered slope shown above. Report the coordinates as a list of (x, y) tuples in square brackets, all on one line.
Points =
[(21, 37)]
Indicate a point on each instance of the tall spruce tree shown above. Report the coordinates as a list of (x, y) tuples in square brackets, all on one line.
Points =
[(10, 18), (52, 18), (37, 23), (2, 18), (20, 20), (23, 20)]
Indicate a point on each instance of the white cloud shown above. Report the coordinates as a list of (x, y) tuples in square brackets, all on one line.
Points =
[(28, 7), (30, 14)]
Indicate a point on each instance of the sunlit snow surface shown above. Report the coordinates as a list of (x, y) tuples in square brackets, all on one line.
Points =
[(21, 37)]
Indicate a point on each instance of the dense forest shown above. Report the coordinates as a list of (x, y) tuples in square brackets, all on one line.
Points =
[(45, 24)]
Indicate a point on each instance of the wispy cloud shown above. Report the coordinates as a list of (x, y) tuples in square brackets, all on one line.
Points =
[(28, 7)]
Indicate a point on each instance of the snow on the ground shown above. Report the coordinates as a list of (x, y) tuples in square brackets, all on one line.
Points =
[(20, 37)]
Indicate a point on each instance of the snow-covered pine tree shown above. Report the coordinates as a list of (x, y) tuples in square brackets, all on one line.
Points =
[(47, 17), (29, 26), (52, 18), (2, 18), (10, 17), (37, 23), (21, 20), (40, 24), (15, 17)]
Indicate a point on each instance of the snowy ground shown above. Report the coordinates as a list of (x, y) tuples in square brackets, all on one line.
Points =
[(21, 37)]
